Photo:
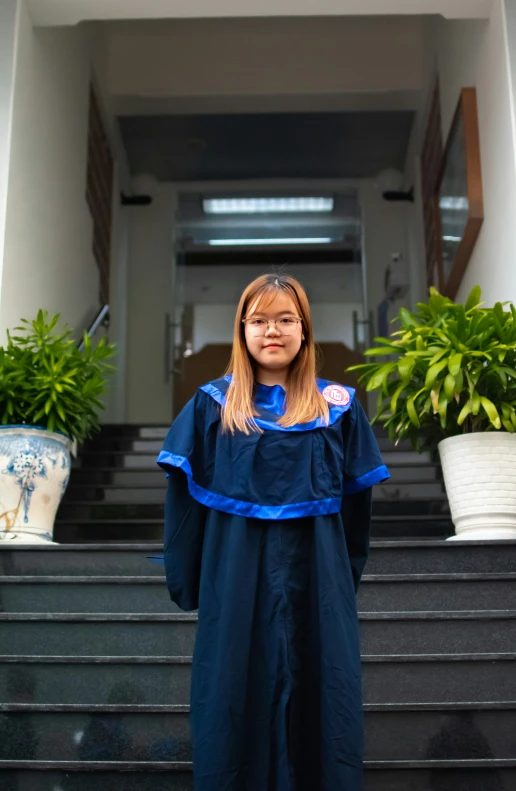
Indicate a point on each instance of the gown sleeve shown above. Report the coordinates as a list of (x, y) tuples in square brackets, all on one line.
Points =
[(363, 467), (185, 517)]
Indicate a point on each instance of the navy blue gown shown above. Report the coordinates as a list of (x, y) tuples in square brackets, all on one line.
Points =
[(267, 535)]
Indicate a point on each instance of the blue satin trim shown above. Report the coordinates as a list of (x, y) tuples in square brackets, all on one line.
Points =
[(271, 399), (242, 508), (377, 475)]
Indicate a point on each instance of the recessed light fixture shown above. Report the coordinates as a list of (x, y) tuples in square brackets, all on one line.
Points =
[(266, 205), (286, 240)]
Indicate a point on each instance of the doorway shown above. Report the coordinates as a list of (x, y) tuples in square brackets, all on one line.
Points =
[(226, 239)]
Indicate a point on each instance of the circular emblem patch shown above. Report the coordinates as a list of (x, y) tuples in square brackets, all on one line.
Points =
[(336, 394)]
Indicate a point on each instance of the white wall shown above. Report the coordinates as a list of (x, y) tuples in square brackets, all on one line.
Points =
[(48, 260), (115, 399), (510, 21), (150, 284), (415, 232), (476, 53), (8, 41)]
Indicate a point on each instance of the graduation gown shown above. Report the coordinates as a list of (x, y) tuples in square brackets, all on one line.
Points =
[(267, 535)]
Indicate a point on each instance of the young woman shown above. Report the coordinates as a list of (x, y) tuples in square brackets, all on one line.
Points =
[(266, 534)]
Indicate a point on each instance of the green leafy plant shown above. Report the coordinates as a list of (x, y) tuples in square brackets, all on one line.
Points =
[(451, 371), (45, 380)]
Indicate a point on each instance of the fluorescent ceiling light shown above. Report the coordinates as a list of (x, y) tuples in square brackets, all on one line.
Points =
[(250, 242), (266, 205), (454, 203), (452, 238)]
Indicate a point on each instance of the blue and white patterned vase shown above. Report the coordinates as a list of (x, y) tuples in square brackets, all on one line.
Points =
[(34, 472)]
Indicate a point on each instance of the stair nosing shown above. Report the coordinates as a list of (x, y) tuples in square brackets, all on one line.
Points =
[(48, 659), (414, 518), (131, 486), (117, 452), (98, 766), (186, 766), (394, 615), (101, 659), (139, 546), (142, 579), (183, 708), (156, 468), (117, 504), (80, 617), (94, 708)]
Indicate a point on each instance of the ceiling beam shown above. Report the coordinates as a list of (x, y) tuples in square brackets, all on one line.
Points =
[(71, 12)]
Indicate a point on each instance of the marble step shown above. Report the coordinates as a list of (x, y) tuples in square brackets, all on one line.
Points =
[(154, 445), (71, 510), (173, 634), (121, 732), (140, 594), (385, 557), (159, 431), (155, 493), (142, 460), (154, 476), (425, 678), (74, 530), (472, 775), (133, 430), (433, 557)]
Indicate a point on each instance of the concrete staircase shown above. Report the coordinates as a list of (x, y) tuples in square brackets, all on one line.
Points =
[(95, 660)]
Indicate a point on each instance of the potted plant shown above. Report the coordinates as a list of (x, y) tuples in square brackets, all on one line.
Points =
[(49, 398), (449, 383)]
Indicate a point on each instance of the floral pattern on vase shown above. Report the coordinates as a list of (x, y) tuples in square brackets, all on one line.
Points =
[(34, 472)]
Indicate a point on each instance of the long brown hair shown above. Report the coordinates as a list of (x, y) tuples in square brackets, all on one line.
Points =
[(304, 401)]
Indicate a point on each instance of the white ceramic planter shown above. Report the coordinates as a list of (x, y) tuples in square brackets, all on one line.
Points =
[(34, 471), (480, 476)]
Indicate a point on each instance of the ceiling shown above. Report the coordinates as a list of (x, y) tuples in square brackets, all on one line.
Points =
[(293, 145)]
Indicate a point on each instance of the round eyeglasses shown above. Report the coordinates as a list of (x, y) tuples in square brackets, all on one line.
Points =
[(285, 326)]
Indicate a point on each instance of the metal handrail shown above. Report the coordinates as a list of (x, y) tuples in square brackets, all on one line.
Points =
[(102, 317)]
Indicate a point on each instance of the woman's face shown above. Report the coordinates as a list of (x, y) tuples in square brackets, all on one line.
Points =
[(280, 342)]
